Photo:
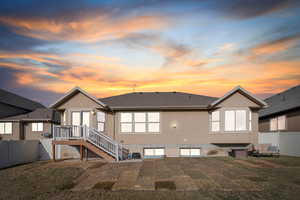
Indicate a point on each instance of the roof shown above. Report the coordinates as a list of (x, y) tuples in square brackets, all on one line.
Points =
[(18, 101), (281, 102), (72, 93), (242, 91), (40, 114), (161, 100)]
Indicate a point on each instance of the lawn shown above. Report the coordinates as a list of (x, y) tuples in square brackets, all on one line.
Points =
[(170, 178)]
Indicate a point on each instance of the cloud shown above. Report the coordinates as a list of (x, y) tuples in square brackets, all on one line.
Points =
[(276, 46), (176, 54), (244, 9), (85, 29), (227, 47), (110, 77)]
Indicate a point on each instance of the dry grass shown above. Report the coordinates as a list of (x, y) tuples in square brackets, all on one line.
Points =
[(106, 185), (214, 179), (165, 185)]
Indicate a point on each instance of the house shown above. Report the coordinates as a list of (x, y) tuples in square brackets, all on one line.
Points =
[(282, 113), (157, 124), (24, 119)]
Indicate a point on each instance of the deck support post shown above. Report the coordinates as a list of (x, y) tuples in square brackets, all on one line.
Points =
[(53, 152), (81, 152)]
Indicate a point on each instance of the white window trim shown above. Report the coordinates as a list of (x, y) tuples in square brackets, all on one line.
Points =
[(100, 122), (235, 126), (147, 122), (215, 121), (35, 126), (4, 128), (190, 150), (154, 151), (276, 119)]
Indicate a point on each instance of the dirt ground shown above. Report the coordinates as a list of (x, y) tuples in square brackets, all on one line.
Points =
[(170, 178)]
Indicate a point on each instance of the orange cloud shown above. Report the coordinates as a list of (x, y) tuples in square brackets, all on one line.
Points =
[(109, 77), (276, 46), (85, 29)]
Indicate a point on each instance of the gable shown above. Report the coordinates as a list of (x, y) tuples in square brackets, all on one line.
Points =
[(78, 100), (238, 100)]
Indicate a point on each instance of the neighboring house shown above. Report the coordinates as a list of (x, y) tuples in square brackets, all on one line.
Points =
[(159, 123), (34, 125), (21, 118), (12, 104), (282, 113)]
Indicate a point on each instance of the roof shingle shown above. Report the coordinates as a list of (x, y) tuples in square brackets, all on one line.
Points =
[(150, 100), (281, 102), (18, 101)]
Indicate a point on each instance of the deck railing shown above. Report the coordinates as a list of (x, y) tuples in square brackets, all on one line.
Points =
[(93, 136)]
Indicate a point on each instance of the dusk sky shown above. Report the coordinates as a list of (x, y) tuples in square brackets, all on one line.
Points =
[(110, 47)]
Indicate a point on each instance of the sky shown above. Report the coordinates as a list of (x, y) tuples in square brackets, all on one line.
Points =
[(113, 47)]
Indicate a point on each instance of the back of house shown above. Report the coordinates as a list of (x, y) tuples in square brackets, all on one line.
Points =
[(157, 124)]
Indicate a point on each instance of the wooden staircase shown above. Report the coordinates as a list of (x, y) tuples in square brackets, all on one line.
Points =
[(88, 138)]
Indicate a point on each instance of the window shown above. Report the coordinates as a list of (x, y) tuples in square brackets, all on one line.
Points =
[(273, 124), (240, 119), (140, 122), (100, 121), (153, 122), (190, 152), (76, 118), (278, 123), (126, 122), (154, 152), (281, 122), (215, 121), (37, 126), (5, 128), (235, 120)]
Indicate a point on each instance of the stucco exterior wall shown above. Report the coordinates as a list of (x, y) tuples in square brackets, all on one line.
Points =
[(238, 100), (80, 102), (193, 128), (36, 135)]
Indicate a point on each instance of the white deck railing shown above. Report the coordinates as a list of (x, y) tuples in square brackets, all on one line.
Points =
[(105, 143)]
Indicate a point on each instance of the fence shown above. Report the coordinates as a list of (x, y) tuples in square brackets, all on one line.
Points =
[(288, 142), (18, 152)]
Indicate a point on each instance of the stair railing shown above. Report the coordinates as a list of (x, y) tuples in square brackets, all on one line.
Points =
[(93, 136)]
